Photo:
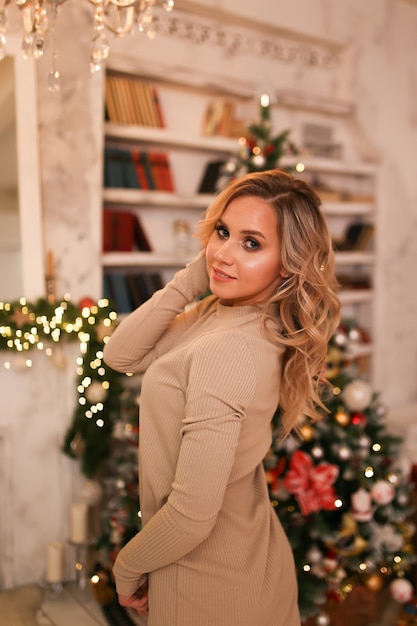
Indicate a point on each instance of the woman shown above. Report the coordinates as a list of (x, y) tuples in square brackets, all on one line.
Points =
[(212, 551)]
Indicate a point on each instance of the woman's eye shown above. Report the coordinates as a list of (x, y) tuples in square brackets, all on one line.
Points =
[(222, 231), (251, 244)]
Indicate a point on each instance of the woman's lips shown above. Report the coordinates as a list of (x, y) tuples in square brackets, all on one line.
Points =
[(221, 276)]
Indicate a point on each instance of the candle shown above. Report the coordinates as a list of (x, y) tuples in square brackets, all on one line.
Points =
[(79, 522), (54, 562), (50, 264)]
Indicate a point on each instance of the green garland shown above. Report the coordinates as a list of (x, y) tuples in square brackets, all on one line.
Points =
[(45, 326)]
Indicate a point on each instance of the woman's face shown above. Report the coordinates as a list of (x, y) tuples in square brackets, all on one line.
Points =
[(243, 254)]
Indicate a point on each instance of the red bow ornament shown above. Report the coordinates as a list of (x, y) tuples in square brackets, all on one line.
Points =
[(311, 484)]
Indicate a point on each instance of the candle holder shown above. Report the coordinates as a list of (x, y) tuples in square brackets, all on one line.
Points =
[(80, 562), (52, 589), (50, 288)]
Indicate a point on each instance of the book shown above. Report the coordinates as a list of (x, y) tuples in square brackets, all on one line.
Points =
[(141, 238), (116, 99), (366, 236), (143, 285), (144, 103), (113, 173), (147, 170), (164, 172), (119, 230), (219, 118), (119, 169), (210, 177), (139, 169), (158, 107), (358, 236), (137, 290), (119, 289), (110, 101)]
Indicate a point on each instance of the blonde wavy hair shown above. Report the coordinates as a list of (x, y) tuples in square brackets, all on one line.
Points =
[(305, 305)]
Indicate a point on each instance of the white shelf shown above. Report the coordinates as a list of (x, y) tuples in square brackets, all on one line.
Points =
[(169, 138), (138, 197), (355, 296), (142, 259), (345, 208), (354, 258), (334, 166)]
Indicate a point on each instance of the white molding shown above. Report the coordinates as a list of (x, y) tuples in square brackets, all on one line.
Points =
[(302, 101), (266, 28), (7, 580), (28, 166)]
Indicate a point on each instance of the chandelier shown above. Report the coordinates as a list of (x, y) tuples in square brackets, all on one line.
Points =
[(117, 17)]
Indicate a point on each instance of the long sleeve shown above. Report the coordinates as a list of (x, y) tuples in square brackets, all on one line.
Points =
[(131, 347), (221, 383)]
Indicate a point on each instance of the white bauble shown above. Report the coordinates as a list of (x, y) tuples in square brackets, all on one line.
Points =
[(357, 395), (401, 590), (382, 492), (258, 161)]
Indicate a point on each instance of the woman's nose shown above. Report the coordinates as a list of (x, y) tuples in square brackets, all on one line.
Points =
[(224, 252)]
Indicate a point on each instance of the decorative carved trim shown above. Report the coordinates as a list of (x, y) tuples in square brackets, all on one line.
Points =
[(235, 39)]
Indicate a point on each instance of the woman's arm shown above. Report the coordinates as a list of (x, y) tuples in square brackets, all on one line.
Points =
[(221, 386), (131, 347)]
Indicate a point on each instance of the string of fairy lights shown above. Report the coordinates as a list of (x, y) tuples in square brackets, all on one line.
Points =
[(46, 327)]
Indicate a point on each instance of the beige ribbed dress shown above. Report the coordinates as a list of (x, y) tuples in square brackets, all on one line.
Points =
[(211, 543)]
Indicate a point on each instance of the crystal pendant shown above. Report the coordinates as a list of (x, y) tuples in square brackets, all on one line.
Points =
[(151, 31), (28, 46), (145, 19), (38, 46), (53, 80), (100, 48), (3, 20), (95, 66), (2, 46)]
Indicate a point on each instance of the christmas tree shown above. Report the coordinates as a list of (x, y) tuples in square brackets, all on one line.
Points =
[(342, 495), (260, 150)]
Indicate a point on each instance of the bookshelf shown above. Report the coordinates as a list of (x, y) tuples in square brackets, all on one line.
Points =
[(347, 190), (176, 128), (348, 194)]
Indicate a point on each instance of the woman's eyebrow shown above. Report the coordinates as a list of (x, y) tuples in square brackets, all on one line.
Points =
[(254, 233)]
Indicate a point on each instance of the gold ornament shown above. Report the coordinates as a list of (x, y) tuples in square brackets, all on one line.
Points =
[(342, 417), (333, 360), (307, 432), (348, 541), (373, 582)]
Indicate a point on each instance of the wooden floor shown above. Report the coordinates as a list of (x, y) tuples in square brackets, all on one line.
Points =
[(75, 607)]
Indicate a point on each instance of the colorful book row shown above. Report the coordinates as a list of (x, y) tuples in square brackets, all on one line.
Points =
[(136, 169), (131, 101), (128, 291)]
